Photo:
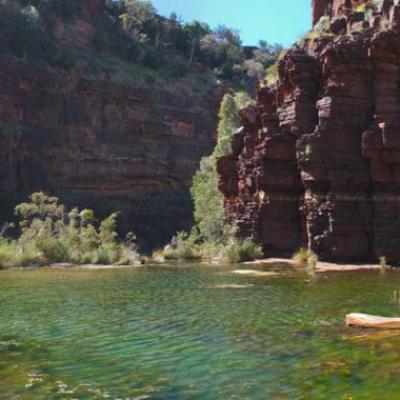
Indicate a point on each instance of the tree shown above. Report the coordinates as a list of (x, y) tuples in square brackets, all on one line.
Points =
[(140, 10), (138, 14), (194, 33), (21, 33), (223, 50), (208, 200), (254, 69)]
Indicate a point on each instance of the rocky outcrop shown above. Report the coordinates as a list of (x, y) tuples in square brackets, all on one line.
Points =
[(319, 9), (317, 163), (352, 9), (113, 146)]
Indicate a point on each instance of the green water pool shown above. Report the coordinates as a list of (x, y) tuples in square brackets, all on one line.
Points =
[(184, 333)]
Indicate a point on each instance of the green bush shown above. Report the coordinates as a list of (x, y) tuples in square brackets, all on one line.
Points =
[(207, 199), (51, 234), (13, 256), (8, 251), (243, 250), (305, 258), (271, 75), (238, 250), (230, 249), (211, 238), (185, 249), (52, 249)]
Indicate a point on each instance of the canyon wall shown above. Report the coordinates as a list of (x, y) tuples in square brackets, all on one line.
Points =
[(317, 162), (319, 9), (103, 144)]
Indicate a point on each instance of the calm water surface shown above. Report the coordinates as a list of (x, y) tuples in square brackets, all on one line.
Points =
[(178, 333)]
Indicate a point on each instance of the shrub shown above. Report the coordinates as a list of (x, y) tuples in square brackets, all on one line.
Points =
[(50, 234), (183, 248), (243, 250), (272, 75), (52, 249), (230, 249), (12, 256), (8, 250), (305, 258)]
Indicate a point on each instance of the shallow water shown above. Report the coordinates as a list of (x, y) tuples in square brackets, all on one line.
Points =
[(194, 333)]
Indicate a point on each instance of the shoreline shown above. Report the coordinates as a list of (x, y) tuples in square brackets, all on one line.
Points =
[(284, 263), (320, 267)]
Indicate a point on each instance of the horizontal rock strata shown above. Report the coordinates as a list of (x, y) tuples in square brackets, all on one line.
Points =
[(319, 165), (104, 144)]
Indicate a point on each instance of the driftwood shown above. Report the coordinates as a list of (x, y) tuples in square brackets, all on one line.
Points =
[(372, 321)]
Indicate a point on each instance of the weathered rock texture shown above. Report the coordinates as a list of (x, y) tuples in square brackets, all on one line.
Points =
[(320, 8), (317, 163), (352, 9), (103, 144)]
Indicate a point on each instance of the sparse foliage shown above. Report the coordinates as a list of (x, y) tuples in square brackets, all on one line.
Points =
[(49, 234), (130, 30), (211, 238), (305, 258), (208, 200)]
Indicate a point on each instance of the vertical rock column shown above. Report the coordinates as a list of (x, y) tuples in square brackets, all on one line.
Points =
[(277, 181), (335, 176), (260, 181), (381, 145)]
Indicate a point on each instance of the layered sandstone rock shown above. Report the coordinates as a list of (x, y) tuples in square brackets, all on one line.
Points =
[(319, 164), (320, 8), (112, 146), (345, 8)]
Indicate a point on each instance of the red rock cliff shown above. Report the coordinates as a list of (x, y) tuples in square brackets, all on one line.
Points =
[(319, 9), (317, 163), (103, 144)]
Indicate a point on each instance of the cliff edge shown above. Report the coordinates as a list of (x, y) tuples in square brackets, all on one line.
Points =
[(317, 162)]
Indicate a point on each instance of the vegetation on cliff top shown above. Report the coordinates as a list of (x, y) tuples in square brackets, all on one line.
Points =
[(60, 34), (48, 233), (129, 40)]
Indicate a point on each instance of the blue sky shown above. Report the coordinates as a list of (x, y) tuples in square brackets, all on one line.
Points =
[(280, 21)]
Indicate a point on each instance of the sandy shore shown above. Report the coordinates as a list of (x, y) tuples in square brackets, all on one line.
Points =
[(276, 263), (92, 266), (321, 266)]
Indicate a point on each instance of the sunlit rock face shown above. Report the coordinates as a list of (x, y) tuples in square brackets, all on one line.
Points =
[(341, 8), (319, 165), (319, 9)]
